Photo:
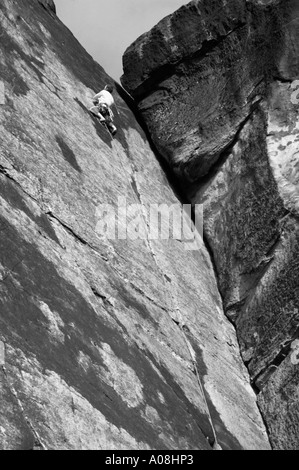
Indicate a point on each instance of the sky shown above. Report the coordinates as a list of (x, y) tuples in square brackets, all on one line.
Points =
[(107, 27)]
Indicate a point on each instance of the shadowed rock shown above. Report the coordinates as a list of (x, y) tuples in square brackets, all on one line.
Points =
[(48, 4)]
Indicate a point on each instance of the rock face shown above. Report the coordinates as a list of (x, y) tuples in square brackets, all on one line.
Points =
[(104, 343), (48, 4), (230, 130), (205, 86)]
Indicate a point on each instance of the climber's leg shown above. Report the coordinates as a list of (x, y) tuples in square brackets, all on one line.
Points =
[(95, 111), (112, 128)]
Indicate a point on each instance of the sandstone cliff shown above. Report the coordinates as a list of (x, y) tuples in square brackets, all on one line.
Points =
[(217, 85), (104, 344)]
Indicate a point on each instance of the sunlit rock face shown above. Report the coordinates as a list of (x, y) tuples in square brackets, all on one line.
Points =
[(105, 343), (218, 87)]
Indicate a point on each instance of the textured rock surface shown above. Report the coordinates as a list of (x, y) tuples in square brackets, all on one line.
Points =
[(207, 84), (106, 341), (230, 131), (48, 4)]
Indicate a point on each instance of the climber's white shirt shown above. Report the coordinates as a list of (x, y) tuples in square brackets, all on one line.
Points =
[(104, 97)]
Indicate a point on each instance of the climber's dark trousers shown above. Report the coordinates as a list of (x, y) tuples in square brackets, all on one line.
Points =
[(103, 113)]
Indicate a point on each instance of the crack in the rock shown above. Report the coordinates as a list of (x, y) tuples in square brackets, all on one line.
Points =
[(5, 171), (140, 291), (105, 299), (38, 440), (214, 443), (68, 229), (75, 235)]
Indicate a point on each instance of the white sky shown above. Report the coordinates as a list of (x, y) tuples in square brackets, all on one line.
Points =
[(107, 27)]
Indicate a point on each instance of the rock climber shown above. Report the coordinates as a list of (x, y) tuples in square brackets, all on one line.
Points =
[(103, 101)]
